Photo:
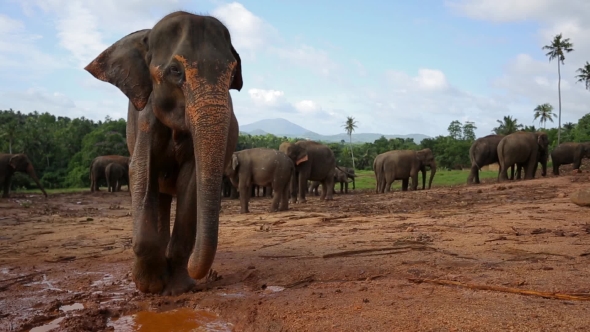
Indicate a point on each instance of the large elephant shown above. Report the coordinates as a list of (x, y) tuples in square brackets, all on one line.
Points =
[(568, 153), (525, 149), (263, 167), (405, 165), (98, 167), (178, 76), (483, 152), (11, 163), (115, 174), (313, 161)]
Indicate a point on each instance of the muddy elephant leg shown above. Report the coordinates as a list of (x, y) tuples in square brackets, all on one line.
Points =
[(324, 190), (6, 187), (183, 236), (405, 184), (245, 192), (284, 194), (302, 186), (276, 200)]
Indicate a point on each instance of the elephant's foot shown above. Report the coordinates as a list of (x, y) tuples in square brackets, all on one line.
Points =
[(329, 198), (179, 282), (150, 274), (301, 201)]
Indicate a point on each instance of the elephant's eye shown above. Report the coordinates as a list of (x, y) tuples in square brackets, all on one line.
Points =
[(174, 70)]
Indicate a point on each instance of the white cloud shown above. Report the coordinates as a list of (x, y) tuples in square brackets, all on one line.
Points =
[(267, 98), (307, 106), (249, 32), (20, 58), (307, 56)]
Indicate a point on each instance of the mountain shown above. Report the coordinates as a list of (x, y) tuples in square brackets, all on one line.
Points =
[(281, 127)]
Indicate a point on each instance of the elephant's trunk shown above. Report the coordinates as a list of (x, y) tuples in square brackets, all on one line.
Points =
[(31, 172), (208, 116), (432, 172)]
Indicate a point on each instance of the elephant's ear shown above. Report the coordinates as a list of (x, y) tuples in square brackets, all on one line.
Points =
[(237, 82), (234, 162), (124, 65), (302, 157)]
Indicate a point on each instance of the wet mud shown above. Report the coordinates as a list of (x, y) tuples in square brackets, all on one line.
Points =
[(362, 262)]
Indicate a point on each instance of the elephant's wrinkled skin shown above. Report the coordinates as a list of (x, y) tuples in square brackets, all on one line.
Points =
[(178, 76), (569, 153), (11, 163), (98, 167), (404, 165), (115, 174), (526, 149), (263, 167), (313, 161)]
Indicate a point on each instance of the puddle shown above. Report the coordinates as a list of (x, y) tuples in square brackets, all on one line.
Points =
[(71, 307), (178, 320), (49, 326)]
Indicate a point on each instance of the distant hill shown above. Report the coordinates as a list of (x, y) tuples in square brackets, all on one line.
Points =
[(282, 127)]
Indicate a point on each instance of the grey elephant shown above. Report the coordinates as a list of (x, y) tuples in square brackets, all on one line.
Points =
[(262, 167), (99, 165), (405, 165), (11, 163), (181, 132), (483, 152), (526, 149), (569, 153), (342, 175), (313, 161), (115, 174)]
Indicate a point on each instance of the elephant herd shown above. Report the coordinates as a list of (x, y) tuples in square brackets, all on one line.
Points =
[(523, 151), (181, 135)]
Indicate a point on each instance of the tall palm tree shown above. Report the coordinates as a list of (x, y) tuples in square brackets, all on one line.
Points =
[(350, 126), (507, 126), (544, 112), (557, 49), (584, 75)]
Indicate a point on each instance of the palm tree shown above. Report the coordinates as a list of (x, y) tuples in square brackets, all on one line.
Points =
[(507, 126), (557, 50), (544, 112), (584, 75), (350, 126)]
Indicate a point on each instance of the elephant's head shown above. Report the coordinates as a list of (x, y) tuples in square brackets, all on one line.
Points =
[(21, 163), (183, 69), (426, 158), (296, 152), (231, 170), (543, 155)]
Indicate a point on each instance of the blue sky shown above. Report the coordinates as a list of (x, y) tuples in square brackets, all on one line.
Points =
[(398, 67)]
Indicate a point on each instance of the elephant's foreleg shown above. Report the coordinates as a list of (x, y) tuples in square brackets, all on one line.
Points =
[(302, 186), (329, 188), (405, 183), (6, 187), (284, 194), (245, 192), (183, 236)]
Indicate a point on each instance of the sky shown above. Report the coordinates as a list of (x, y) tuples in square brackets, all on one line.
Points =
[(397, 67)]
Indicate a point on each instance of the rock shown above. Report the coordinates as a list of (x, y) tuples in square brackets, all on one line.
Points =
[(561, 195), (581, 197)]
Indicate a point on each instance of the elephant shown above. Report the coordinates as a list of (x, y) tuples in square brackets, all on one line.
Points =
[(405, 165), (263, 167), (11, 163), (177, 77), (568, 153), (228, 189), (483, 152), (98, 167), (266, 190), (526, 149), (114, 173), (342, 175), (313, 161)]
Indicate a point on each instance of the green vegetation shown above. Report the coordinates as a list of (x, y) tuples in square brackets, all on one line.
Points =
[(61, 148), (443, 178)]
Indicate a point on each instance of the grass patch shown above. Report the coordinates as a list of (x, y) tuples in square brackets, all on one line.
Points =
[(366, 179)]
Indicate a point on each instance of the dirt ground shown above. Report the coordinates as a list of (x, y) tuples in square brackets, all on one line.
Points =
[(356, 263)]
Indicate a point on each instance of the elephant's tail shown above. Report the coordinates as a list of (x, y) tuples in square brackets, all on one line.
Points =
[(472, 153)]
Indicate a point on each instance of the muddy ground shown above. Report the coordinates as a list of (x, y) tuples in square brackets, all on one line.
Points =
[(352, 264)]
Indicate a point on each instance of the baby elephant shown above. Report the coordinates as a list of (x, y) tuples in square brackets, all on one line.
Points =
[(262, 167), (114, 173)]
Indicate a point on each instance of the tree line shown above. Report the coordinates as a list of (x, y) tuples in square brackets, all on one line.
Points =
[(61, 148)]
